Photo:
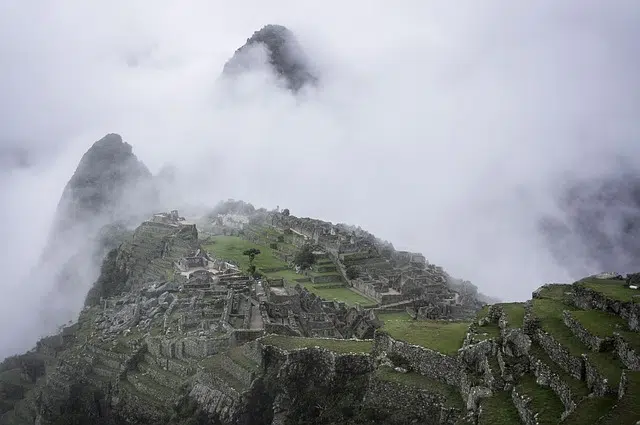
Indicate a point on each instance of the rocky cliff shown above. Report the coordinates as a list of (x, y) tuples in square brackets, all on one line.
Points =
[(109, 191), (278, 47)]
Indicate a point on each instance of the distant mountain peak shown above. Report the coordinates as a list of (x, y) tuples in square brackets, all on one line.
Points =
[(284, 54), (107, 170)]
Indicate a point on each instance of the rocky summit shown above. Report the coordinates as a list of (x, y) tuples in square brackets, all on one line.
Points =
[(109, 191), (106, 176), (248, 316), (283, 53)]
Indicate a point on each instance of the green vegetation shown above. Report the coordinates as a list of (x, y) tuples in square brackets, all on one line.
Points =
[(112, 280), (599, 323), (498, 410), (232, 248), (251, 253), (554, 291), (627, 410), (514, 313), (543, 400), (590, 410), (340, 346), (451, 393), (340, 294), (445, 337), (385, 316), (352, 273), (215, 365), (611, 288), (488, 331), (579, 388), (305, 257), (549, 312), (238, 357), (482, 313)]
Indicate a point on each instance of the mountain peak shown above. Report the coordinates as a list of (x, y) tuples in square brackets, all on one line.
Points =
[(284, 54)]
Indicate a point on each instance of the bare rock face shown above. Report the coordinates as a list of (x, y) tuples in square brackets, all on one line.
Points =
[(106, 176), (109, 190), (284, 55)]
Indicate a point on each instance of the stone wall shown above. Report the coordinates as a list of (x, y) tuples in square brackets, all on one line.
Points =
[(280, 329), (422, 360), (545, 376), (626, 354), (597, 383), (253, 350), (594, 343), (571, 364), (406, 404), (522, 402), (242, 336), (586, 299)]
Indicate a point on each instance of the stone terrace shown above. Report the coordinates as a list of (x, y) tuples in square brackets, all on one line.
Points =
[(570, 354)]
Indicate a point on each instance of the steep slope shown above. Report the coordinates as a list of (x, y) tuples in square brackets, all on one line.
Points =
[(106, 182), (109, 191), (281, 51), (174, 335)]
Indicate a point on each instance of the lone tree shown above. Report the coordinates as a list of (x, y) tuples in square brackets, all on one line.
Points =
[(285, 212), (415, 293), (305, 258), (352, 273), (251, 253)]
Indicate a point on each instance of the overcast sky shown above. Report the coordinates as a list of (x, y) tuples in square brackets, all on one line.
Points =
[(443, 127)]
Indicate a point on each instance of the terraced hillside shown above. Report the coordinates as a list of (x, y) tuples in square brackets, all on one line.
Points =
[(173, 349), (567, 356), (277, 249)]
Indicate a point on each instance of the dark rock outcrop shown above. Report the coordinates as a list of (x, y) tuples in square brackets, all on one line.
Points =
[(108, 175), (284, 54), (110, 191)]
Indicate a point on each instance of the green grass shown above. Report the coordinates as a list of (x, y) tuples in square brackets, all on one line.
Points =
[(394, 315), (488, 331), (612, 289), (411, 379), (482, 313), (344, 294), (608, 365), (232, 247), (550, 314), (543, 400), (445, 337), (554, 291), (498, 410), (514, 313), (238, 357), (590, 410), (320, 274), (289, 275), (599, 323), (340, 346), (627, 410), (578, 388)]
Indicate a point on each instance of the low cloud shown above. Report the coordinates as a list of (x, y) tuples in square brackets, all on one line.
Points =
[(446, 129)]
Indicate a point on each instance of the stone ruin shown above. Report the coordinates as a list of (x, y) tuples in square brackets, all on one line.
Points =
[(392, 278), (296, 311)]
